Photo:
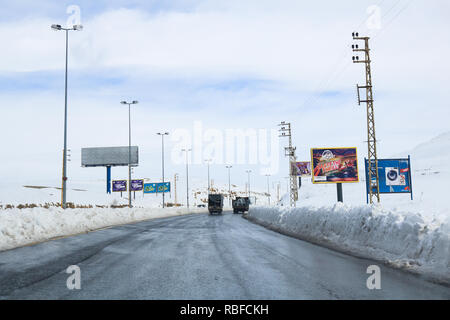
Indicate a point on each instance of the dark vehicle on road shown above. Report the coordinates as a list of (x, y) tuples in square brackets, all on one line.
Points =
[(215, 203), (240, 204)]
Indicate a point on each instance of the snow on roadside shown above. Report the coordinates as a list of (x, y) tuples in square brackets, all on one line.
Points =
[(401, 239), (19, 227)]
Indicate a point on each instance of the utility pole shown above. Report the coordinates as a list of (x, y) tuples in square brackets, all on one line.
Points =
[(229, 183), (187, 176), (208, 161), (268, 188), (374, 189), (175, 178), (290, 152), (278, 192), (248, 175)]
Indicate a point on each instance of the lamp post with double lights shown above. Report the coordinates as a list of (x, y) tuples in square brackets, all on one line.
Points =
[(58, 27), (129, 148)]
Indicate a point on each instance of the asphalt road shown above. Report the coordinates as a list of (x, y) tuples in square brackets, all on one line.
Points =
[(198, 257)]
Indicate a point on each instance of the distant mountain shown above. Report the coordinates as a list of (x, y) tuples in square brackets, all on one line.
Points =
[(433, 154)]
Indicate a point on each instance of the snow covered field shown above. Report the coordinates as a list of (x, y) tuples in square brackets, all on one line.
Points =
[(404, 233), (19, 227)]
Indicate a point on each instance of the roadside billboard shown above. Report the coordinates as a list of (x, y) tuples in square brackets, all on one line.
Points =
[(158, 187), (137, 185), (109, 156), (334, 165), (394, 175), (119, 185), (163, 187), (150, 187), (302, 168)]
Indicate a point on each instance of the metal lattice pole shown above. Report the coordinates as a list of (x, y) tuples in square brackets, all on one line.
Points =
[(374, 188), (290, 152)]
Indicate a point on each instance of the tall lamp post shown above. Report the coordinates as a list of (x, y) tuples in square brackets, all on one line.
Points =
[(187, 176), (58, 27), (129, 148), (268, 188), (229, 184), (248, 174), (208, 161), (162, 134)]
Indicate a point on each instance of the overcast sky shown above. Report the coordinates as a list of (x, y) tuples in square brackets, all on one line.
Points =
[(234, 64)]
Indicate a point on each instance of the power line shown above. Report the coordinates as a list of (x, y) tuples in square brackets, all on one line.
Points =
[(336, 71), (393, 18)]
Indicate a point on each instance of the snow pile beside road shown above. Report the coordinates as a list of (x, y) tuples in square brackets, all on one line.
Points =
[(401, 239), (20, 227)]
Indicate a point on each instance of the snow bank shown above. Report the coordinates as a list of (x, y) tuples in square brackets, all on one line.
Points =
[(26, 226), (401, 239)]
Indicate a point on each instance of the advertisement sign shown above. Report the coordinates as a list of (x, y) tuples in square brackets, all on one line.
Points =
[(157, 187), (334, 165), (109, 156), (394, 175), (119, 185), (137, 185), (150, 187), (302, 168), (164, 187)]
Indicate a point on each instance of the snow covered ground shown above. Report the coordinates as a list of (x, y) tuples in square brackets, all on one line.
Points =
[(411, 234), (19, 227), (404, 233), (401, 239)]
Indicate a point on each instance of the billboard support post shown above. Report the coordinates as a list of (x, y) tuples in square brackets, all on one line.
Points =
[(367, 181), (108, 179), (340, 197)]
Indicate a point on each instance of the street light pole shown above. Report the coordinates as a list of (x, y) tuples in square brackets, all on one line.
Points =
[(58, 27), (229, 184), (187, 177), (129, 148), (162, 134)]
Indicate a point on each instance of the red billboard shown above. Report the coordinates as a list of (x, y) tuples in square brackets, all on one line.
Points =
[(334, 165)]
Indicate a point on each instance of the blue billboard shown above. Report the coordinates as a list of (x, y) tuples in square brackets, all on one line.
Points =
[(394, 176), (157, 187), (150, 187), (163, 187)]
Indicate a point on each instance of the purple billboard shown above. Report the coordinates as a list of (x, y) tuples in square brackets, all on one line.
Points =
[(119, 185), (137, 185)]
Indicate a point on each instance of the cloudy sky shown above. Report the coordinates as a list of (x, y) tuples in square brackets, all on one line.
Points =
[(211, 66)]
